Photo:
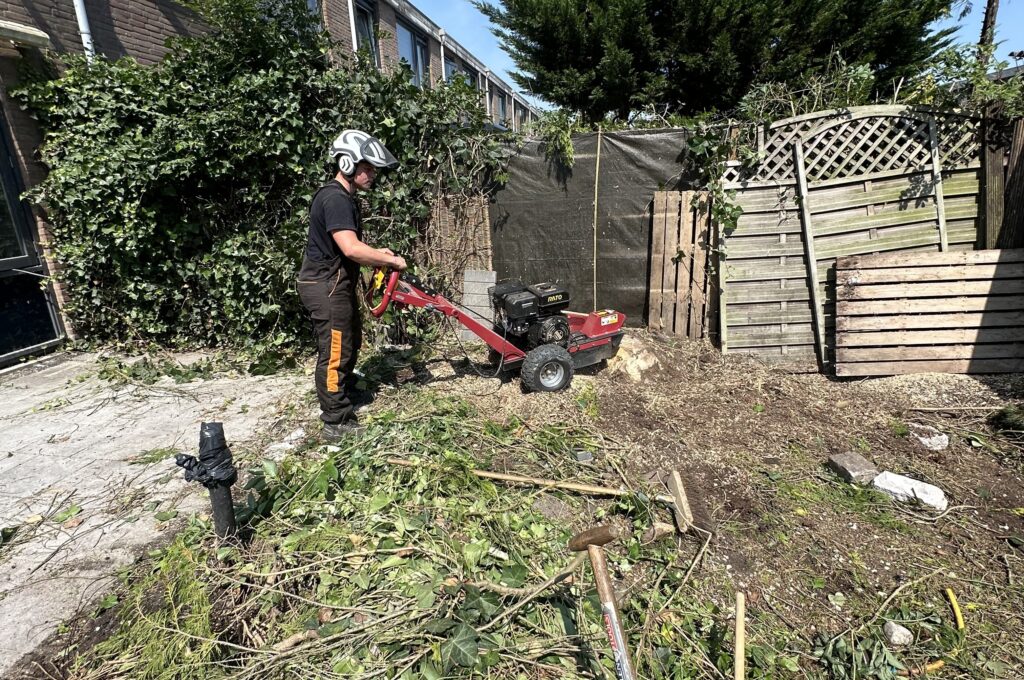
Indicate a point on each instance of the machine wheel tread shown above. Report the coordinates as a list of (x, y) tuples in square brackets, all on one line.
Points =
[(541, 358)]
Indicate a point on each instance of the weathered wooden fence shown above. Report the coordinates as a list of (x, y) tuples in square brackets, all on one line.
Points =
[(683, 298), (903, 313), (834, 184)]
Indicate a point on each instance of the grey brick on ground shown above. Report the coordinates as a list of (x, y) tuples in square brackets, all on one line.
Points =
[(853, 467)]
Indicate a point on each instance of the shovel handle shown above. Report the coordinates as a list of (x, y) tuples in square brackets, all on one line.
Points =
[(610, 612)]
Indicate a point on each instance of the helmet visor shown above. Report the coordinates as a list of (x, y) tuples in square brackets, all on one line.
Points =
[(377, 155)]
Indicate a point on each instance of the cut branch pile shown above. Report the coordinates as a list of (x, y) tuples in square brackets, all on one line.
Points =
[(358, 568)]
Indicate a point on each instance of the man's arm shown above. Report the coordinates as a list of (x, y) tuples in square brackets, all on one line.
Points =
[(360, 253)]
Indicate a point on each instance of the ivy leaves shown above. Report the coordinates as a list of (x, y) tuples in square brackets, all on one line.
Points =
[(178, 194)]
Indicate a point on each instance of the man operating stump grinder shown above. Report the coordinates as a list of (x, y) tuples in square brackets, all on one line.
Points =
[(330, 271)]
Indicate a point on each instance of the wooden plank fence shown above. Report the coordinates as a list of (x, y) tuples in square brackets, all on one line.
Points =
[(953, 312), (831, 185), (682, 296)]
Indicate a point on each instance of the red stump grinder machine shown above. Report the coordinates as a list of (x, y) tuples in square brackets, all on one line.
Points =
[(531, 330)]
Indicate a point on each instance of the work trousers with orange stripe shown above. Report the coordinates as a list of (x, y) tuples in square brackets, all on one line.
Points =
[(334, 307)]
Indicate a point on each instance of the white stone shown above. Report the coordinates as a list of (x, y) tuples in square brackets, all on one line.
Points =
[(295, 437), (930, 438), (907, 489), (896, 635)]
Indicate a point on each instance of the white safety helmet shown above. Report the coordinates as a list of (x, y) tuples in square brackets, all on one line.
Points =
[(353, 146)]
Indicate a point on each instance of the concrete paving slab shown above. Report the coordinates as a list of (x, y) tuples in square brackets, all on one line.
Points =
[(72, 439)]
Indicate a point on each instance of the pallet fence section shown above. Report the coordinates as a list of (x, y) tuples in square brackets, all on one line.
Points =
[(835, 184), (899, 313), (682, 297)]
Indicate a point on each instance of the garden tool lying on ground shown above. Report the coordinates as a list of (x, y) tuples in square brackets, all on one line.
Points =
[(591, 541), (531, 329)]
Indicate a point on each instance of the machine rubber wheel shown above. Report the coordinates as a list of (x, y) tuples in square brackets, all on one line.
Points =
[(547, 368)]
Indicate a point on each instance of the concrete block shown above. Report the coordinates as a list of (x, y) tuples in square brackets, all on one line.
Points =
[(853, 467), (480, 276), (476, 288), (907, 489), (476, 301)]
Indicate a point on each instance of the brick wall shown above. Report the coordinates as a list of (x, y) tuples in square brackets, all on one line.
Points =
[(387, 27), (436, 67), (337, 21), (459, 237), (136, 28)]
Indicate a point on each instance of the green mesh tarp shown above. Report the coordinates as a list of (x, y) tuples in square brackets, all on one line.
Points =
[(542, 220)]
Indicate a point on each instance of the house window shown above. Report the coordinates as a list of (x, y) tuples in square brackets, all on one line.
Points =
[(502, 108), (522, 116), (314, 6), (472, 77), (451, 70), (366, 30), (412, 49)]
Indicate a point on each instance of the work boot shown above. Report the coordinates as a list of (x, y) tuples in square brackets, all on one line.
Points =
[(334, 432)]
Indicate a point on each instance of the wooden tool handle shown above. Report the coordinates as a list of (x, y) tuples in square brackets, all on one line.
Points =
[(610, 611)]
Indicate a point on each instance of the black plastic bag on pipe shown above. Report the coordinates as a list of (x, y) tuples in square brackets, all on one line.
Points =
[(214, 466)]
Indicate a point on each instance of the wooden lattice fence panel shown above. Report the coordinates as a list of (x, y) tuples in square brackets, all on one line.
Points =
[(861, 181), (900, 313), (681, 291)]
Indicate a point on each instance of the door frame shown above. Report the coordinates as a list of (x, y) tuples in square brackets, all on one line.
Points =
[(31, 263)]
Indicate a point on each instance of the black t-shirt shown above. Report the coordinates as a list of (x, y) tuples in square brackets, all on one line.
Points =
[(333, 209)]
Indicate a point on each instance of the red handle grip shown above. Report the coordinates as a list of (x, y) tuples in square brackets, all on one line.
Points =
[(389, 290)]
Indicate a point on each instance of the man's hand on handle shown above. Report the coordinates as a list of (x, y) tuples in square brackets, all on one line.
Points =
[(397, 261)]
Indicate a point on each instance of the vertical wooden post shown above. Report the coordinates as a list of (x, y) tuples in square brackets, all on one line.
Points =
[(699, 287), (721, 259), (657, 297), (810, 258), (685, 275), (597, 183), (670, 274), (993, 180), (1012, 234), (740, 652), (940, 205)]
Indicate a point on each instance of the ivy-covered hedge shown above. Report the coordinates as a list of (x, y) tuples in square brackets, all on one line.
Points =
[(178, 194)]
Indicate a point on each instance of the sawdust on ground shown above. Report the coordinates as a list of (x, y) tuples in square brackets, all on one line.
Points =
[(751, 440)]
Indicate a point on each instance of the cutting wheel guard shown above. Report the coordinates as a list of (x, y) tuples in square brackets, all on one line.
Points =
[(595, 336)]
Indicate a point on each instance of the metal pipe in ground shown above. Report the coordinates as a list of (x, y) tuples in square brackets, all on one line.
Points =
[(214, 469)]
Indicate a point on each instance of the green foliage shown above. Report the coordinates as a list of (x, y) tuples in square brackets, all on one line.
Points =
[(411, 572), (838, 84), (899, 428), (178, 194), (690, 56), (555, 129), (959, 78)]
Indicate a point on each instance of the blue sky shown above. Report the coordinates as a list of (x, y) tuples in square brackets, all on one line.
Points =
[(1009, 26), (473, 31)]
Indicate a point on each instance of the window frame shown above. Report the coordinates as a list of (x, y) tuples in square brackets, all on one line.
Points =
[(420, 71), (503, 108), (369, 10)]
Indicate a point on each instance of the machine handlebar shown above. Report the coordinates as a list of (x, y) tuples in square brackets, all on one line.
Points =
[(379, 276)]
